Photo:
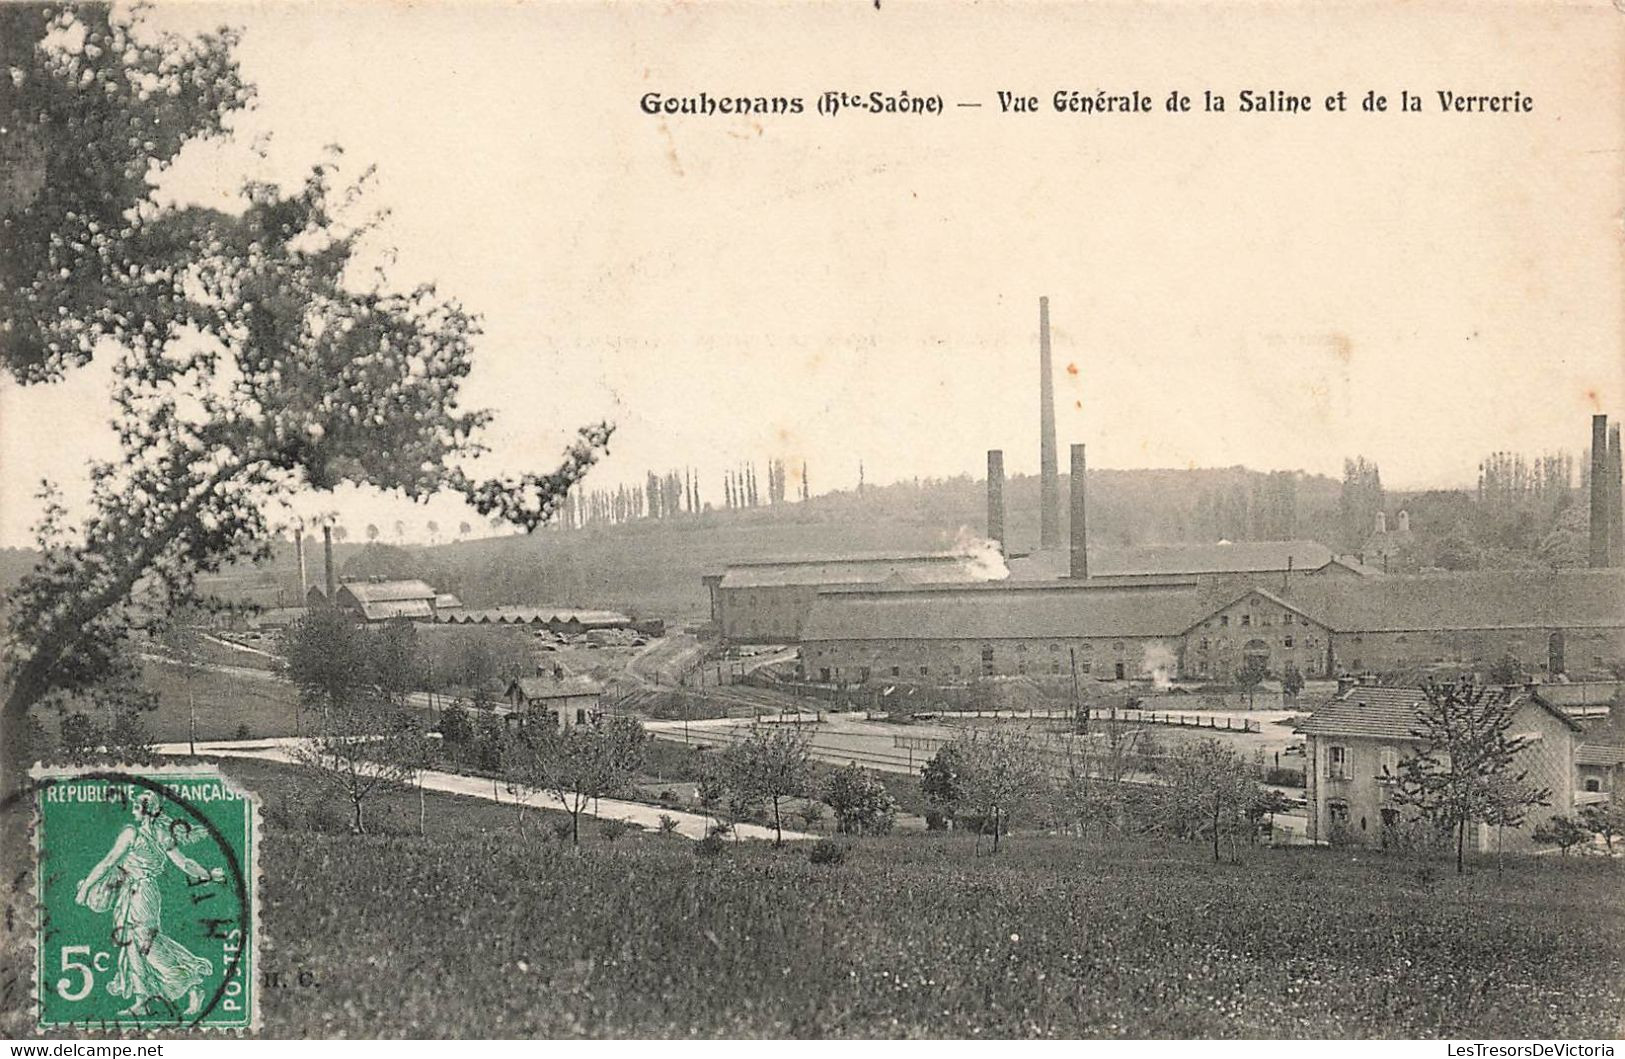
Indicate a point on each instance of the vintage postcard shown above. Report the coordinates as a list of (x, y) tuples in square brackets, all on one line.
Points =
[(779, 520)]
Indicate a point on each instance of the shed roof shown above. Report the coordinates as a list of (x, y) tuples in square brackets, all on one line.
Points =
[(387, 591), (548, 688), (383, 610), (1603, 754)]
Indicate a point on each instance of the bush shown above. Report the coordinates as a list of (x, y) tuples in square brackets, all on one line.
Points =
[(861, 802), (827, 851), (668, 824), (710, 846), (1283, 777), (243, 733), (564, 830), (613, 829)]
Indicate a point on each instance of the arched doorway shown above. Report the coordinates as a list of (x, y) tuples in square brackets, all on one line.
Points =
[(1255, 654)]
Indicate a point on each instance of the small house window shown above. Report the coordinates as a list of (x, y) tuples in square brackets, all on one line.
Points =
[(1118, 646), (1286, 641), (581, 716), (1224, 619), (1286, 617), (1246, 619), (1337, 763), (896, 671), (1593, 785), (925, 671)]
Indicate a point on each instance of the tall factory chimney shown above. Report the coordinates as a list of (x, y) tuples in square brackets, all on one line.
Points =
[(332, 575), (1616, 512), (995, 497), (1080, 514), (1599, 490), (1049, 515), (299, 550)]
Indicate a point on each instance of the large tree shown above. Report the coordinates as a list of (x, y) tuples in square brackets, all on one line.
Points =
[(256, 354), (773, 764), (1464, 769)]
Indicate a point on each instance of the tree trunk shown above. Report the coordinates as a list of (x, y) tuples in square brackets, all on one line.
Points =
[(360, 827), (1215, 831), (778, 828), (1461, 846)]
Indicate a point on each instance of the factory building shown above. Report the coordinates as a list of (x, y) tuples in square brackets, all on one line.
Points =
[(1569, 622), (949, 634), (767, 601)]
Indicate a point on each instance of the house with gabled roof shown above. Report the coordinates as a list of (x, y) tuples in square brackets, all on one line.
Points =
[(1355, 743), (556, 697)]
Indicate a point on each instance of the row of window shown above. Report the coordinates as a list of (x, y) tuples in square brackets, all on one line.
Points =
[(1287, 618)]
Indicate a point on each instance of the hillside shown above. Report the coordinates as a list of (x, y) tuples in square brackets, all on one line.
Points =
[(654, 566)]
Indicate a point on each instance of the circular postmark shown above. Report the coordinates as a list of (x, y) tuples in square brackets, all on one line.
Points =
[(145, 897)]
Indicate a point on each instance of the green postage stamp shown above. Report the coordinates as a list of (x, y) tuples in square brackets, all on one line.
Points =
[(146, 883)]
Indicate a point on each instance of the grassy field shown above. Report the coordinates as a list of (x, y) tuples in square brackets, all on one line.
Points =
[(474, 930), (225, 702)]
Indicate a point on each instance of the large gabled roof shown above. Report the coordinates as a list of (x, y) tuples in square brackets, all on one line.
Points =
[(1485, 599), (1179, 560), (1394, 713), (913, 568), (946, 614)]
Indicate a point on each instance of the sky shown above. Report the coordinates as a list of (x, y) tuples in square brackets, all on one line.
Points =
[(1279, 291)]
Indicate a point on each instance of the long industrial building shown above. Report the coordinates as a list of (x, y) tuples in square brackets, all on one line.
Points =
[(1200, 611), (1569, 622)]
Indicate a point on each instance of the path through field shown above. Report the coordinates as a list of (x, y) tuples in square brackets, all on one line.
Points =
[(691, 825)]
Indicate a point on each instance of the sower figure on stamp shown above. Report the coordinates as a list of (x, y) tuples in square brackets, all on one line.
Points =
[(150, 964)]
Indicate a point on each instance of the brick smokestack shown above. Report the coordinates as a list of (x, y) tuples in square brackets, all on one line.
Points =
[(1599, 490), (1616, 512), (1049, 514), (299, 549), (332, 575), (1080, 514), (995, 497)]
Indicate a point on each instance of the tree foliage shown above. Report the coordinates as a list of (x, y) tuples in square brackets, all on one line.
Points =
[(256, 355), (578, 763), (861, 803), (772, 764), (1000, 774), (1464, 771), (1210, 789)]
